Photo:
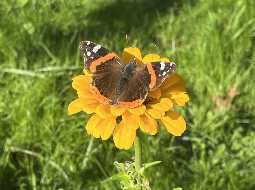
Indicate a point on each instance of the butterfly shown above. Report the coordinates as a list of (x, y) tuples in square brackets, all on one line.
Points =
[(116, 83)]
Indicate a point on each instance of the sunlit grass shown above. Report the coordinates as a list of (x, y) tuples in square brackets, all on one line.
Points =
[(212, 41)]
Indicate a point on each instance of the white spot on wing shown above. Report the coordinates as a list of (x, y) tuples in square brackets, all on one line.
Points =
[(88, 53), (162, 66), (88, 42), (164, 73), (96, 48)]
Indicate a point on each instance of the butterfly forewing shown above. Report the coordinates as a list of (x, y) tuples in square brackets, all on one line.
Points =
[(92, 52), (162, 71)]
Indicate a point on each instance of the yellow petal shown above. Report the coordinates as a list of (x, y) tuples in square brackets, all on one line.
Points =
[(93, 126), (81, 82), (164, 105), (129, 53), (174, 81), (90, 108), (138, 110), (76, 106), (103, 111), (124, 136), (156, 114), (117, 110), (107, 128), (174, 123), (151, 58), (164, 59), (180, 98), (147, 124), (155, 93), (131, 120), (85, 93), (88, 105)]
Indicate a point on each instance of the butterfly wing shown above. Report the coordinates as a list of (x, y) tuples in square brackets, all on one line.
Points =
[(159, 72), (94, 54), (134, 85), (105, 68)]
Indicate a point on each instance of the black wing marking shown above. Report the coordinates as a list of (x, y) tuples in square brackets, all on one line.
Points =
[(162, 71), (91, 51)]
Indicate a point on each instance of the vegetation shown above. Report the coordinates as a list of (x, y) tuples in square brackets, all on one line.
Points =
[(213, 44)]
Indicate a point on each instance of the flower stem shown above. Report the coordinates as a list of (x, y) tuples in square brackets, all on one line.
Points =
[(138, 152)]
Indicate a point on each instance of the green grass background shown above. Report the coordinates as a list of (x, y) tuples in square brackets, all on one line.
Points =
[(43, 148)]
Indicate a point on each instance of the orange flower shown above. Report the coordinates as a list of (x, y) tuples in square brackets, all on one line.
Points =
[(158, 106)]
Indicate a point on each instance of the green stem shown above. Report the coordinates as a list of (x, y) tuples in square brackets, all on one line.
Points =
[(138, 152)]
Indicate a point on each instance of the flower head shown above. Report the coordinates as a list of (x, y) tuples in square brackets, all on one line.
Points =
[(121, 121)]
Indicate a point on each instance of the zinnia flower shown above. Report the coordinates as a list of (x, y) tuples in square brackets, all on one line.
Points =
[(122, 122)]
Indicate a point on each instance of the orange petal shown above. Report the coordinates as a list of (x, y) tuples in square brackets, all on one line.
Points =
[(155, 93), (156, 114), (174, 123), (164, 105), (180, 98), (151, 58), (117, 110), (103, 111), (107, 128), (138, 110), (124, 136), (131, 120), (148, 125), (129, 53), (76, 106), (93, 126)]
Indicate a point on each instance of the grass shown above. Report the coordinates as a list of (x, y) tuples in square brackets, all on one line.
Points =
[(213, 43)]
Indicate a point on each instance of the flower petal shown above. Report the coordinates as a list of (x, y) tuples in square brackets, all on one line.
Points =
[(164, 59), (138, 110), (103, 111), (75, 106), (180, 98), (164, 105), (124, 136), (93, 126), (131, 120), (174, 123), (107, 128), (85, 93), (148, 125), (117, 110), (156, 114), (172, 83), (151, 58), (155, 93), (129, 53), (81, 82)]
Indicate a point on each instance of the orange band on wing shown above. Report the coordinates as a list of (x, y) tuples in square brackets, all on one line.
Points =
[(101, 60), (132, 104), (153, 75), (99, 96)]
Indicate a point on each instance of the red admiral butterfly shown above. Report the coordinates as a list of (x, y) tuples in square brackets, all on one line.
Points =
[(117, 83)]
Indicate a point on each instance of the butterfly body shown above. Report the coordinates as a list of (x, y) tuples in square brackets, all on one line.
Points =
[(117, 83)]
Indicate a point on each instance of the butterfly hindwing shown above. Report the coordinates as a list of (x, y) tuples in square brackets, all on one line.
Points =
[(134, 85)]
